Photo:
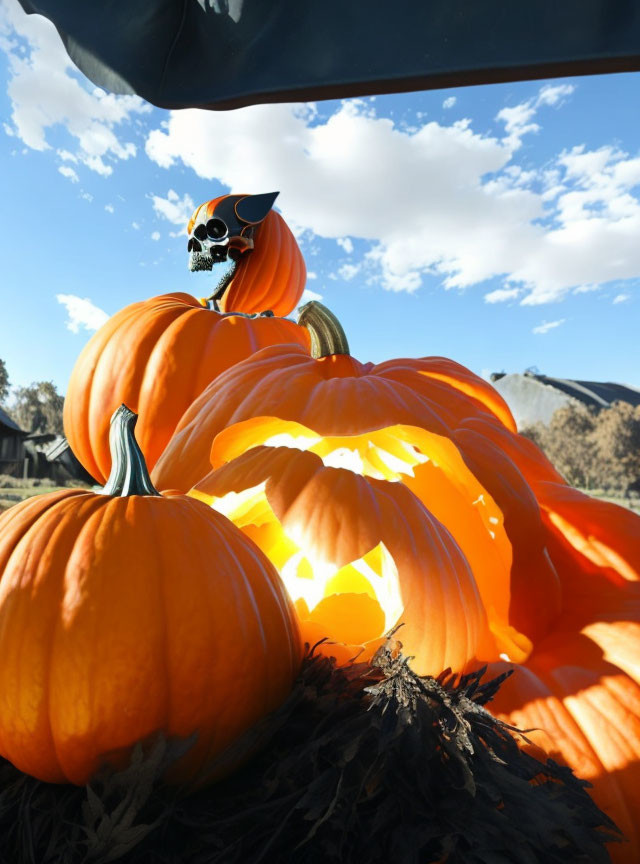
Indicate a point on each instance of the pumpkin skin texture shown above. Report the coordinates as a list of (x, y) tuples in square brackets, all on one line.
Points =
[(335, 395), (580, 688), (335, 517), (575, 573), (156, 356), (575, 591), (535, 588), (271, 276), (124, 616)]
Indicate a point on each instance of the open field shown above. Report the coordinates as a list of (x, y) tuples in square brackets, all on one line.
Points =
[(8, 497), (27, 488), (13, 490), (631, 503)]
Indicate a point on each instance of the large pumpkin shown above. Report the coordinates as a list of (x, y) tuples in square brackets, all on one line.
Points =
[(359, 555), (330, 392), (575, 591), (270, 272), (580, 688), (128, 613), (157, 356)]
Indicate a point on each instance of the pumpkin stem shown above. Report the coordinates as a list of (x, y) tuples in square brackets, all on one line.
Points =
[(129, 475), (222, 286), (327, 335)]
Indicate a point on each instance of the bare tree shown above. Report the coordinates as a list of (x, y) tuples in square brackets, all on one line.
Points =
[(616, 439), (593, 450)]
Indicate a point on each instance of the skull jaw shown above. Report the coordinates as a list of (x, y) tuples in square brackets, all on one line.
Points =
[(200, 261), (217, 253)]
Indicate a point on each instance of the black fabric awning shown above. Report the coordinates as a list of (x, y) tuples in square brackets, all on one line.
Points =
[(229, 53)]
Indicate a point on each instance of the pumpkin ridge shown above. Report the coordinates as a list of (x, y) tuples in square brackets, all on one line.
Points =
[(122, 344), (159, 533), (59, 525), (261, 271), (77, 412)]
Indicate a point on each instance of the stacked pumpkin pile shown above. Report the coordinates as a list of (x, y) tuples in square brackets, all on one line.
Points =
[(307, 496)]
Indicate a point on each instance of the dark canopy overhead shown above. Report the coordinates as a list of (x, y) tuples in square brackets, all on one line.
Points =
[(228, 53)]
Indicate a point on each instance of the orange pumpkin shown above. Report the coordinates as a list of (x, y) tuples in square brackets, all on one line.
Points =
[(127, 613), (535, 593), (358, 555), (575, 591), (157, 356), (330, 392), (269, 275), (580, 688), (573, 606)]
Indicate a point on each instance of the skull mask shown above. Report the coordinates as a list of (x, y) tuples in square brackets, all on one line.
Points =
[(225, 229)]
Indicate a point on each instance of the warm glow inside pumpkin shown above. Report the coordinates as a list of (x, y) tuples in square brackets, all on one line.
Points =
[(352, 605), (357, 601)]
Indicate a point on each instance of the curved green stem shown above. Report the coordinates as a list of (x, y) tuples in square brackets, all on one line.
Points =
[(129, 475), (327, 335)]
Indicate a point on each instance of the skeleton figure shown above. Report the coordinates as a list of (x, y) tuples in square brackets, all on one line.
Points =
[(222, 230)]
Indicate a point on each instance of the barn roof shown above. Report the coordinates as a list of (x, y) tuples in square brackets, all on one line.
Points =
[(8, 423), (599, 394), (534, 398)]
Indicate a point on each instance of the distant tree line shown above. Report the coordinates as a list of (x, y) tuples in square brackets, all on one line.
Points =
[(593, 449), (37, 408)]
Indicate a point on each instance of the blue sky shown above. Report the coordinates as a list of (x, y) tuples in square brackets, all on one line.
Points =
[(497, 225)]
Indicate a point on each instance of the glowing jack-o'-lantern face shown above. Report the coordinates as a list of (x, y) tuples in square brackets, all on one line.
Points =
[(359, 552), (330, 392)]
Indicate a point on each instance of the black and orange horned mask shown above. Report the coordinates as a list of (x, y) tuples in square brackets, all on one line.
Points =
[(224, 228)]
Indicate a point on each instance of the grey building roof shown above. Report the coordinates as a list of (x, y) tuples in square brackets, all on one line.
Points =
[(534, 398), (599, 394), (7, 422)]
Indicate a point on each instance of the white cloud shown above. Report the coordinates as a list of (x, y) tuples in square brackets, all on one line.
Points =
[(69, 173), (449, 102), (554, 94), (348, 271), (500, 295), (308, 295), (155, 236), (548, 325), (45, 93), (109, 208), (518, 119), (82, 313), (311, 274), (451, 203), (346, 244), (176, 210), (135, 226), (518, 122), (86, 196), (621, 298)]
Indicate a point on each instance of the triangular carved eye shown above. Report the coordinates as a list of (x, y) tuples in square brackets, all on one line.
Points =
[(254, 208)]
